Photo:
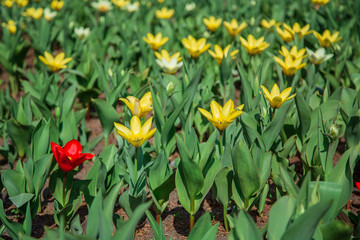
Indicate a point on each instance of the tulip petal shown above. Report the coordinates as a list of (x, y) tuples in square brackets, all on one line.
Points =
[(73, 148)]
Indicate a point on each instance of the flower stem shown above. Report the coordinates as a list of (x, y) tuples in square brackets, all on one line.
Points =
[(225, 217), (64, 188), (273, 114), (221, 142), (192, 215), (135, 164)]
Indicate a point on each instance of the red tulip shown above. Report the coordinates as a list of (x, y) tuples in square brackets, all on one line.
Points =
[(70, 156), (358, 185)]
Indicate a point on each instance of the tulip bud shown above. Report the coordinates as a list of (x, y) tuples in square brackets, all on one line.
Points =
[(170, 89), (110, 72), (252, 21), (334, 131), (57, 112)]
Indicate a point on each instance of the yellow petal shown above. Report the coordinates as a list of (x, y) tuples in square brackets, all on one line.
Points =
[(275, 91), (205, 113), (121, 128), (285, 93), (228, 108), (135, 125), (215, 110)]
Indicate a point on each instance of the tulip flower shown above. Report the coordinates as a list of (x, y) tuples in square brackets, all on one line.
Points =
[(275, 98), (8, 3), (300, 31), (285, 35), (358, 185), (57, 5), (221, 117), (132, 7), (120, 3), (55, 63), (319, 56), (81, 32), (320, 2), (219, 54), (70, 156), (234, 28), (170, 64), (102, 5), (155, 42), (138, 107), (22, 3), (49, 15), (254, 46), (33, 13), (326, 39), (195, 47), (164, 13), (10, 26), (290, 65), (294, 53), (212, 23), (138, 134), (269, 24)]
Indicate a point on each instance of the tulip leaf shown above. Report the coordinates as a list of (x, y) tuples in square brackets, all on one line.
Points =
[(289, 183), (107, 115), (245, 228), (192, 87), (222, 186), (127, 230), (275, 126), (280, 216), (336, 230), (40, 140), (303, 228), (245, 170), (20, 134), (170, 122), (21, 199), (203, 229), (157, 229), (13, 228), (189, 178), (304, 114)]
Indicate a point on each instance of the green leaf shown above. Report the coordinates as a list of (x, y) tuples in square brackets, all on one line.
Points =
[(107, 115), (275, 126), (304, 113), (20, 134), (303, 228), (222, 186), (127, 230), (189, 178), (289, 183), (21, 199), (337, 229), (156, 228), (203, 230), (245, 228), (280, 216), (27, 225), (170, 122), (245, 170), (13, 228)]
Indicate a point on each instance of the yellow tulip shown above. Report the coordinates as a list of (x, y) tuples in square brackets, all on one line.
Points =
[(294, 53), (57, 5), (219, 54), (22, 3), (161, 1), (164, 13), (138, 134), (285, 35), (155, 42), (269, 24), (139, 107), (326, 39), (55, 63), (234, 28), (165, 54), (254, 46), (10, 26), (195, 47), (300, 31), (221, 117), (212, 23), (34, 13), (8, 3), (120, 3), (290, 65), (102, 5), (320, 2), (275, 98)]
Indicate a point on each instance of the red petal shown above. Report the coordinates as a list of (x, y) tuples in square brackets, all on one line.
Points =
[(65, 164), (57, 150), (82, 158), (73, 149), (358, 185)]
